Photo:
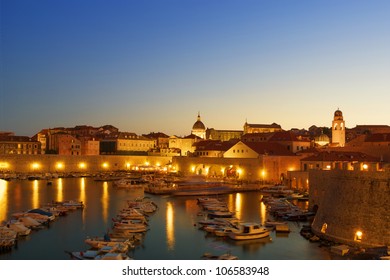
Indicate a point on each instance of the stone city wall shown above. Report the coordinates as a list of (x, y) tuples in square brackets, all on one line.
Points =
[(349, 202), (59, 163)]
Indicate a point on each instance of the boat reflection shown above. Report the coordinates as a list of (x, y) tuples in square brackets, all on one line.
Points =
[(252, 245)]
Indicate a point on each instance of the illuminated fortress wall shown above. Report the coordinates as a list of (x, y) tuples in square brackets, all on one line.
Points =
[(58, 163), (353, 206)]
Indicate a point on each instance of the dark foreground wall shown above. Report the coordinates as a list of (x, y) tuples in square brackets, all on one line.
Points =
[(350, 202)]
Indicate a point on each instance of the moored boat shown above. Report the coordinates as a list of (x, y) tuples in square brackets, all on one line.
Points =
[(247, 231)]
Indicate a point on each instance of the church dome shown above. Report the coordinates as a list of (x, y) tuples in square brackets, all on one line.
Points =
[(198, 125)]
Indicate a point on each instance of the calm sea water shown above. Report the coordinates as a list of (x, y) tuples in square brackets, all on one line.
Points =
[(172, 235)]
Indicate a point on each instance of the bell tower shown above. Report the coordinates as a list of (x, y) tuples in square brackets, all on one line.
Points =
[(338, 129)]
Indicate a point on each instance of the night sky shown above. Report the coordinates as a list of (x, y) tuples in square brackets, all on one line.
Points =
[(152, 65)]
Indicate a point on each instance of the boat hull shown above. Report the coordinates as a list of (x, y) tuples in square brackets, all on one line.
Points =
[(239, 236)]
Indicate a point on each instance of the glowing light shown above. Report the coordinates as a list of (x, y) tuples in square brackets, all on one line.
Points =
[(324, 228), (193, 169), (158, 164), (59, 165), (147, 163), (128, 165), (223, 170), (82, 165), (4, 165), (35, 166), (105, 165), (358, 235), (365, 166), (263, 174), (328, 166)]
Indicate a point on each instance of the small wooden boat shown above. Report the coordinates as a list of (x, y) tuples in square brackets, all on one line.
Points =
[(100, 242), (247, 231), (19, 228), (98, 255)]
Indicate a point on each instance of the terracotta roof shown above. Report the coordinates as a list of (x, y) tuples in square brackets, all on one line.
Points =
[(156, 135), (342, 156), (214, 145), (287, 136), (192, 136), (273, 125), (378, 137), (13, 138), (269, 148)]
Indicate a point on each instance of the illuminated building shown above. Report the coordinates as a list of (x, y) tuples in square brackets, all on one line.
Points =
[(338, 130), (261, 128), (198, 128)]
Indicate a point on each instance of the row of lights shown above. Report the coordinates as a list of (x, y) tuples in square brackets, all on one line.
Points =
[(82, 165), (364, 166), (239, 171)]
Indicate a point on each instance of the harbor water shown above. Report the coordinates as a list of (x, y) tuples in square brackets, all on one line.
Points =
[(173, 230)]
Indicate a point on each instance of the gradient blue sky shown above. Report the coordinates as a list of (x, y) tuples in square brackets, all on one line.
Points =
[(148, 66)]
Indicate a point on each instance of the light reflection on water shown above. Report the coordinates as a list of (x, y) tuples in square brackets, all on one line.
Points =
[(170, 227), (60, 196), (173, 230), (3, 200)]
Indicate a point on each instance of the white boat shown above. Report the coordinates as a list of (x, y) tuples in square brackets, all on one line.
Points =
[(129, 230), (130, 224), (225, 231), (6, 232), (72, 203), (100, 242), (278, 190), (37, 217), (226, 256), (98, 255), (19, 228), (247, 231), (30, 222), (130, 183)]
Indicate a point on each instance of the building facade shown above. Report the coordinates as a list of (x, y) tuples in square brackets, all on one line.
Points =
[(261, 128)]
